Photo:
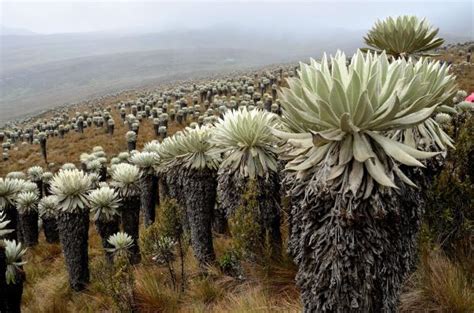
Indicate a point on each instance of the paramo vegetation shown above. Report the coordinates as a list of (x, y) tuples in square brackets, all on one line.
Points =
[(299, 188)]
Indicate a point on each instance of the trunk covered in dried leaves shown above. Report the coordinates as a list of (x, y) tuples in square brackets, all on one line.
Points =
[(200, 197), (219, 223), (131, 145), (3, 283), (105, 230), (230, 190), (50, 227), (73, 233), (29, 228), (357, 263), (149, 197), (130, 224), (44, 152), (174, 189), (13, 294)]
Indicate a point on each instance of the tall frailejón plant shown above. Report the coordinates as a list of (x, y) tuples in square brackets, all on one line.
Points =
[(349, 180), (197, 165), (402, 37), (126, 180), (249, 154), (70, 188), (147, 161), (105, 203)]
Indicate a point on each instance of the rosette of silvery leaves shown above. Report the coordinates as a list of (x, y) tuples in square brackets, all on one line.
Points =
[(339, 121), (246, 140), (126, 179), (29, 186), (104, 203), (46, 177), (152, 146), (16, 175), (13, 255), (68, 166), (71, 188), (121, 242), (27, 201), (145, 161), (3, 225), (9, 188), (47, 207), (35, 173)]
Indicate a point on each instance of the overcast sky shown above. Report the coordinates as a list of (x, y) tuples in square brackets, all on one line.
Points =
[(67, 16)]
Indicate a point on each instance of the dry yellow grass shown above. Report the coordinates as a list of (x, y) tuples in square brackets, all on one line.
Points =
[(440, 285), (69, 149), (464, 72)]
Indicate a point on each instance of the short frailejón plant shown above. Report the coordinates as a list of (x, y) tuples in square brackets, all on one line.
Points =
[(120, 244), (147, 161), (105, 204), (14, 275), (47, 209), (27, 206), (126, 180)]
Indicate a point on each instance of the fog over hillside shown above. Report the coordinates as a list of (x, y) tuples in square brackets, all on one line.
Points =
[(39, 72), (52, 54)]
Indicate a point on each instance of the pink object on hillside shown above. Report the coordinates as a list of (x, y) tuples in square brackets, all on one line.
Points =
[(470, 98)]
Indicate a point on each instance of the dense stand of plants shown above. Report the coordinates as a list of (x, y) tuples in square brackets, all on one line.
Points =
[(346, 142)]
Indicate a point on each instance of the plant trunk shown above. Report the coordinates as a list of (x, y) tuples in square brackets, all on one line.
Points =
[(50, 227), (219, 224), (47, 192), (110, 130), (132, 145), (3, 282), (353, 263), (231, 188), (11, 214), (73, 233), (130, 224), (13, 293), (29, 228), (43, 150), (149, 197), (229, 192), (200, 190), (269, 200), (103, 173), (174, 183), (39, 184), (163, 189), (105, 230)]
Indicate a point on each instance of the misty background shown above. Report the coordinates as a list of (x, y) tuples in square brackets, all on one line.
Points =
[(52, 53)]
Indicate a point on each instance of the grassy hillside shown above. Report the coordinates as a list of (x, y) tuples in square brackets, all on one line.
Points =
[(439, 285)]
